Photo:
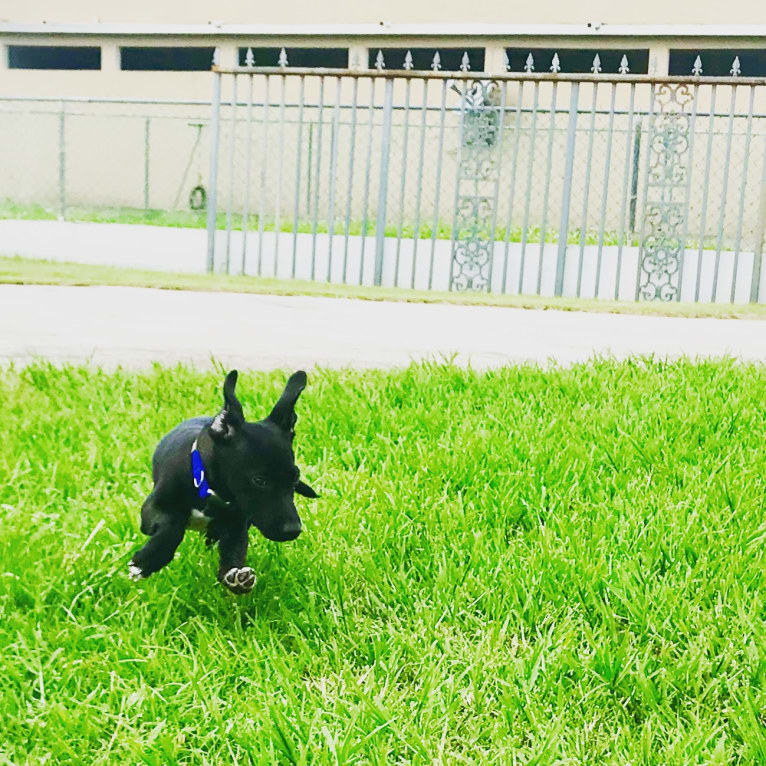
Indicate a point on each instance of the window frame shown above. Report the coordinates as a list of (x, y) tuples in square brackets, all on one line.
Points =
[(610, 59), (209, 51), (22, 50), (292, 52), (422, 57), (748, 61)]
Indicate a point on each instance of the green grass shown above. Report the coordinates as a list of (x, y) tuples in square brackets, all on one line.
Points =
[(520, 566), (15, 270), (198, 220), (173, 218)]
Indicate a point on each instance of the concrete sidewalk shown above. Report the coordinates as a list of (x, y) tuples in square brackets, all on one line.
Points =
[(135, 327), (166, 248)]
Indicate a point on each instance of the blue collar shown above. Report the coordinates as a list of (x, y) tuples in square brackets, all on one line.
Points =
[(198, 474)]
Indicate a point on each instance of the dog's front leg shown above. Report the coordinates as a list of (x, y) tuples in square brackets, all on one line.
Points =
[(232, 548), (165, 530)]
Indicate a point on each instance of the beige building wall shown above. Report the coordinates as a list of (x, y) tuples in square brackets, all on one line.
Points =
[(391, 11), (112, 82)]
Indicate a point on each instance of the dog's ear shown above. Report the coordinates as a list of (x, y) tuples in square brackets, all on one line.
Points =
[(303, 489), (283, 414), (231, 417)]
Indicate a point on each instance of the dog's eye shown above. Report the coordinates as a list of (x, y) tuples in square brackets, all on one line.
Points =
[(260, 482)]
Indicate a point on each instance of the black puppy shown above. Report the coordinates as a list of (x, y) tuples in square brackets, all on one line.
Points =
[(225, 474)]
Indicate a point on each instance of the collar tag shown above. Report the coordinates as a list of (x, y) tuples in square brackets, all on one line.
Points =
[(198, 474)]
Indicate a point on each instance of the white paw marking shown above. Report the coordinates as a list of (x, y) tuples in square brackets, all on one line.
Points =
[(135, 573), (240, 580)]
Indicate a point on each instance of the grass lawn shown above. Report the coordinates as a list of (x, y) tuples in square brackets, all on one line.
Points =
[(15, 270), (198, 220), (520, 566)]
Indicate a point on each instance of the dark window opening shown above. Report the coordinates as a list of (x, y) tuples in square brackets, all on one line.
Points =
[(450, 59), (578, 60), (158, 59), (53, 57), (309, 58), (719, 63)]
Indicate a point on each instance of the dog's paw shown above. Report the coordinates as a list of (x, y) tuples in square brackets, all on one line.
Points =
[(239, 580), (135, 573)]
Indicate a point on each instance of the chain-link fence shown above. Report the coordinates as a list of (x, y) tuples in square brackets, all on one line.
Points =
[(577, 185), (104, 159)]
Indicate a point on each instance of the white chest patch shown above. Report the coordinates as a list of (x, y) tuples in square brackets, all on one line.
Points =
[(197, 520)]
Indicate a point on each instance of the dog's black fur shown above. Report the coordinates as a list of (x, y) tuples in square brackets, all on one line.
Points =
[(251, 469)]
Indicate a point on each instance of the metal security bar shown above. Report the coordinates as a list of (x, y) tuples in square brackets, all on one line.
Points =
[(610, 186)]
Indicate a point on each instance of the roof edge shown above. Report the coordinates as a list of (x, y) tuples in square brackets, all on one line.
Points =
[(390, 30)]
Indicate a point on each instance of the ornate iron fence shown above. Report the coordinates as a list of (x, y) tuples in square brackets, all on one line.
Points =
[(613, 186)]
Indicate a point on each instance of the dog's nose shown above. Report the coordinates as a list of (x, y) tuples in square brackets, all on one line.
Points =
[(291, 530)]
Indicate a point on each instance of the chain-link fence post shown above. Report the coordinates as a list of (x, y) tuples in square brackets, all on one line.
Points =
[(146, 164), (62, 161)]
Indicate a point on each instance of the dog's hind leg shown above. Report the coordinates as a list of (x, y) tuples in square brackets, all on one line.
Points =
[(166, 531), (232, 548)]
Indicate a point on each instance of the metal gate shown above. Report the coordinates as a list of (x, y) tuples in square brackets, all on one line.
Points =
[(610, 186)]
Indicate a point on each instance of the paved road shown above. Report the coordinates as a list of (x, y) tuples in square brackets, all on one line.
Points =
[(136, 327)]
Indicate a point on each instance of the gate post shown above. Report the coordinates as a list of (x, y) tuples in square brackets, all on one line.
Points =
[(566, 194), (213, 175), (634, 171), (385, 150)]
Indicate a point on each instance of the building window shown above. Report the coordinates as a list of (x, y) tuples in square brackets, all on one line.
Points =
[(53, 57), (719, 63), (158, 59), (578, 60), (325, 58), (448, 60)]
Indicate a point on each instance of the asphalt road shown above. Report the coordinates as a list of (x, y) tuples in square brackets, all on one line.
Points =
[(135, 327)]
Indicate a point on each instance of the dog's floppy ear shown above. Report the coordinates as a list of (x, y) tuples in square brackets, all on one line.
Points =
[(283, 414), (231, 417), (303, 489)]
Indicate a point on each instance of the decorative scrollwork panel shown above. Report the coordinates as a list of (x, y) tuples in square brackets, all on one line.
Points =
[(477, 178), (662, 245)]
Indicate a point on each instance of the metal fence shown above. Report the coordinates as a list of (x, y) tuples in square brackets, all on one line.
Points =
[(102, 158), (609, 186), (601, 185)]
